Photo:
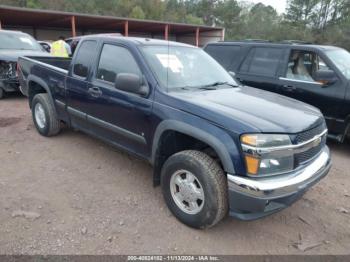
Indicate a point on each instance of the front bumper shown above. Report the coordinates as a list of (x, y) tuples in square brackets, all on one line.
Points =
[(10, 84), (253, 198)]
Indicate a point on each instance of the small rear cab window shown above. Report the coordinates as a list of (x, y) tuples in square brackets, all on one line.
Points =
[(84, 58)]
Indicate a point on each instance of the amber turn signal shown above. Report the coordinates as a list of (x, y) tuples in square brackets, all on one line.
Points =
[(252, 164)]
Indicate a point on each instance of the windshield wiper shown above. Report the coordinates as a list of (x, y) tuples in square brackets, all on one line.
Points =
[(207, 88), (212, 86), (189, 88), (218, 83)]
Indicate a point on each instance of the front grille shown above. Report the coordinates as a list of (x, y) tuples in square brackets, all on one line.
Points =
[(307, 135), (308, 155), (311, 153)]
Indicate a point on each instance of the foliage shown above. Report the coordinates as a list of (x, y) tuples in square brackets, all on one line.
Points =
[(319, 21), (137, 12)]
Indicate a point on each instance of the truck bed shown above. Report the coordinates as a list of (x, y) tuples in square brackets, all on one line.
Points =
[(59, 62), (43, 67)]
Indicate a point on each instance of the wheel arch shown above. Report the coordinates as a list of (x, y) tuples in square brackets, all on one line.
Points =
[(190, 131), (36, 86)]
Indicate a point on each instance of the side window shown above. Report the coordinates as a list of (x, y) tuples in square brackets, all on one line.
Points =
[(115, 60), (84, 57), (224, 54), (262, 61), (303, 64)]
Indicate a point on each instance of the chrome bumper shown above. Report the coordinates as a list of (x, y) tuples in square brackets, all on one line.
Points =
[(284, 185)]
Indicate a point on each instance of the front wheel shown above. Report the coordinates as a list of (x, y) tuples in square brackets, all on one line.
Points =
[(195, 188), (44, 115), (1, 93)]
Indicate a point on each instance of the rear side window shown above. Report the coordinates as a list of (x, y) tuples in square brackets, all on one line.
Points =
[(115, 60), (84, 58), (224, 54), (262, 61)]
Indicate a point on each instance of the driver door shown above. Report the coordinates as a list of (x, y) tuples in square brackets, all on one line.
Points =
[(117, 116)]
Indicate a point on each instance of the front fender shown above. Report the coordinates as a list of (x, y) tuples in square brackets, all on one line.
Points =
[(215, 137)]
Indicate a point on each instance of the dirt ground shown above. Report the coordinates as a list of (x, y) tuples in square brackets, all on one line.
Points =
[(73, 194)]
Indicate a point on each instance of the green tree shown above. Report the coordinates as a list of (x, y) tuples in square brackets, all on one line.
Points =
[(137, 12), (267, 20), (300, 12), (194, 20), (228, 14), (175, 11)]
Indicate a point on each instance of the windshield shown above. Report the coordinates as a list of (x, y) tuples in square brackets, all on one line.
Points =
[(186, 67), (18, 41), (341, 58)]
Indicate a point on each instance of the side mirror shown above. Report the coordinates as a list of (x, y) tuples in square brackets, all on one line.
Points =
[(325, 77), (131, 83), (234, 76)]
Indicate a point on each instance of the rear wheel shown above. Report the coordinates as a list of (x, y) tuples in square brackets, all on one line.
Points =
[(1, 93), (44, 116), (195, 188)]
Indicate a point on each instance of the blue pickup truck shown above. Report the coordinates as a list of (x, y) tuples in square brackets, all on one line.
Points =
[(216, 147)]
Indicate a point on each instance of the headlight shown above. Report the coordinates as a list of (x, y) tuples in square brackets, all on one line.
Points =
[(260, 155)]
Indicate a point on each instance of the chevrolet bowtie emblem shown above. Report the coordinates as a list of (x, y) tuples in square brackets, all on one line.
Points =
[(317, 141)]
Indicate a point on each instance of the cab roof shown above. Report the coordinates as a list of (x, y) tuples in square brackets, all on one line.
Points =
[(137, 40)]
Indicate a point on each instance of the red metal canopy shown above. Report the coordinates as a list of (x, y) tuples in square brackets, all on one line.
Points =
[(33, 18)]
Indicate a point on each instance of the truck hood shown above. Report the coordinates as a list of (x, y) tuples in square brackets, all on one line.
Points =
[(255, 109), (13, 55)]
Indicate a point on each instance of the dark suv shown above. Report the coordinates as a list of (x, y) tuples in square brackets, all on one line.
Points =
[(315, 74)]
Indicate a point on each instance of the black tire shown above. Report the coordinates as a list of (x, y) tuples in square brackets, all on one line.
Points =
[(212, 179), (52, 125), (2, 93)]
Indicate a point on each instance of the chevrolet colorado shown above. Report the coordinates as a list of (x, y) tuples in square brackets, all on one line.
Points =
[(216, 147)]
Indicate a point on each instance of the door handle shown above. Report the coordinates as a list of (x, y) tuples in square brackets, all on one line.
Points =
[(95, 91), (56, 83), (289, 88)]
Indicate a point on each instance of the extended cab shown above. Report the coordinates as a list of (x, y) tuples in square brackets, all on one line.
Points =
[(14, 44), (216, 147), (315, 74)]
